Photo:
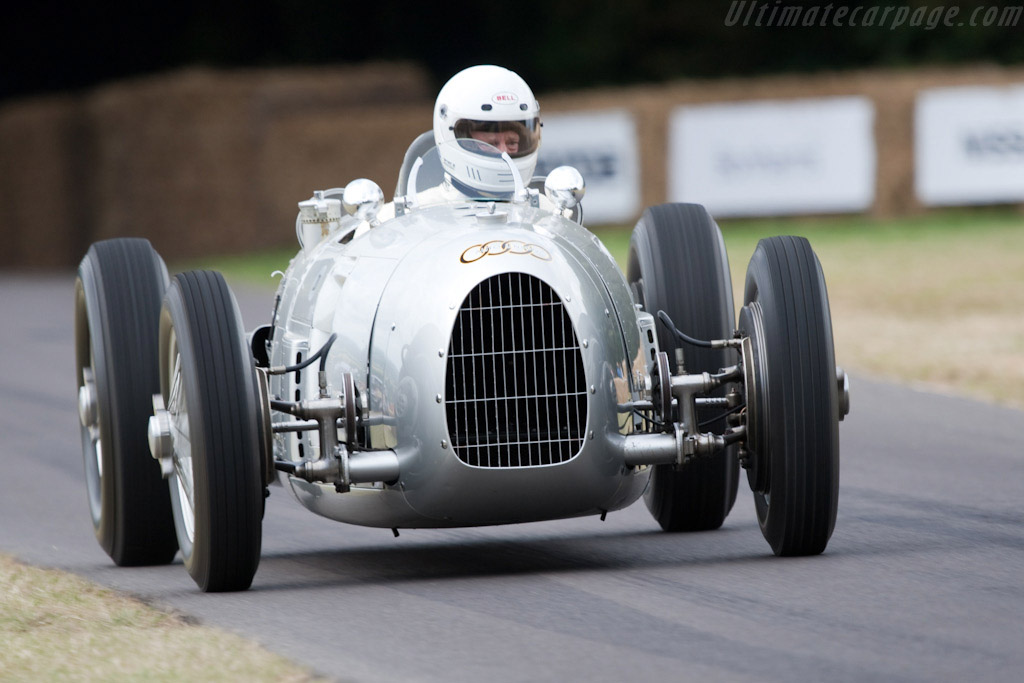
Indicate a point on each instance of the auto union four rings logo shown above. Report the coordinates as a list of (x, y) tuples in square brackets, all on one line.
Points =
[(498, 247)]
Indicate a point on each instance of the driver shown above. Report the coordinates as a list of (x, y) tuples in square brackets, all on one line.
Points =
[(481, 113), (491, 105), (502, 135)]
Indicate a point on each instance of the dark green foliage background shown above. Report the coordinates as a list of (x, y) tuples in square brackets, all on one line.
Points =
[(49, 45)]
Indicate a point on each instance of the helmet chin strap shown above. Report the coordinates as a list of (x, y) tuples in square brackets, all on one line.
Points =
[(474, 192)]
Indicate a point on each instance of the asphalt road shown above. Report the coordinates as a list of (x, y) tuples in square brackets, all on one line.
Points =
[(923, 579)]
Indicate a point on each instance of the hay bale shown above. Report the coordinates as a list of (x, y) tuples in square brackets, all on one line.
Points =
[(202, 161)]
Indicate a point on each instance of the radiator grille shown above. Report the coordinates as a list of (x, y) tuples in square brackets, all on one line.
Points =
[(515, 387)]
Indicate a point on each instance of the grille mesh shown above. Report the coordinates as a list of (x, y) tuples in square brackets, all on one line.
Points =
[(515, 387)]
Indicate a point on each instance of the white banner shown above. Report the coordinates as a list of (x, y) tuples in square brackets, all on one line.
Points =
[(774, 157), (603, 147), (969, 146)]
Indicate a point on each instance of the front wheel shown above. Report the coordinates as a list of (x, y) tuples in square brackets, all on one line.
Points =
[(208, 386), (793, 399), (118, 291)]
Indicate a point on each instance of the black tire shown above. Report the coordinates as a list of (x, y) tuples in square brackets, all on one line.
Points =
[(118, 291), (677, 263), (794, 471), (208, 384)]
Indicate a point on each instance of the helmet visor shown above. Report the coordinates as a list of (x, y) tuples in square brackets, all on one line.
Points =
[(517, 138)]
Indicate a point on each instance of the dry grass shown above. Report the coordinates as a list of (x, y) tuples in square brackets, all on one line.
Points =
[(935, 300), (56, 626)]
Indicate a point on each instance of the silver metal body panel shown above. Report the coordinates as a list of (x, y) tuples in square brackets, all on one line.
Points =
[(392, 295)]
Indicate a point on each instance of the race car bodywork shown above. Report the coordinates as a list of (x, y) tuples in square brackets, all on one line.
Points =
[(457, 360)]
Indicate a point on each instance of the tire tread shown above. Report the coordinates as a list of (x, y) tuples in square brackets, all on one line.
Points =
[(228, 536), (127, 280), (677, 252), (786, 278)]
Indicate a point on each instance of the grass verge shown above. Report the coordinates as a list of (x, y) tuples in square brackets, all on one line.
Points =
[(935, 300), (57, 626)]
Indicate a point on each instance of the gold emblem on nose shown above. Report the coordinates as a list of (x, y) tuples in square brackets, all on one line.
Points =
[(499, 247)]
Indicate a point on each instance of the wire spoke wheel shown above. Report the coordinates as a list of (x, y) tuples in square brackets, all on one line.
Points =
[(92, 445), (207, 381), (183, 484)]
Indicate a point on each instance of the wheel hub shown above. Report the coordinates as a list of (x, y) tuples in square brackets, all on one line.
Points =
[(87, 399), (755, 456), (161, 442)]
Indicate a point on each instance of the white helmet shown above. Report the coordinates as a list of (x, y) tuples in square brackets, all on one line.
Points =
[(493, 105)]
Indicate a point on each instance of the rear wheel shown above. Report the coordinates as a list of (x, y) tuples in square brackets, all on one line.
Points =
[(793, 458), (677, 263), (118, 291), (208, 385)]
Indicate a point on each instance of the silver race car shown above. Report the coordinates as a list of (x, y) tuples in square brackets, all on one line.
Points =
[(456, 360)]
